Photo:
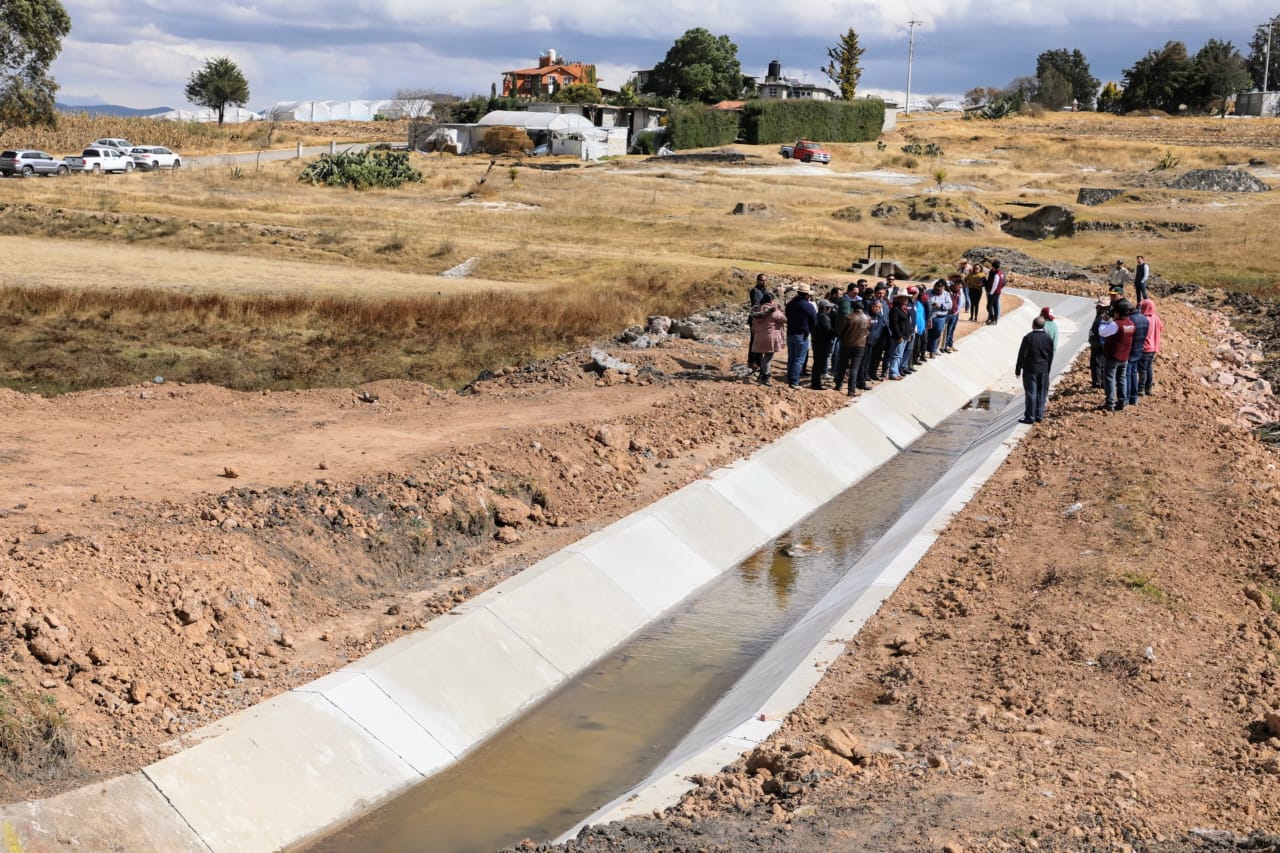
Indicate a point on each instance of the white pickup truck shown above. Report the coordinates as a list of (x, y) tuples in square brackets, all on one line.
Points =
[(101, 159)]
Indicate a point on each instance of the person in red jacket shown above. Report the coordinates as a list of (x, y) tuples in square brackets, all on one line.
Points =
[(1117, 343), (995, 286)]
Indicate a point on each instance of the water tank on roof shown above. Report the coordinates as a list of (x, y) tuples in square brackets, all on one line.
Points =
[(775, 70)]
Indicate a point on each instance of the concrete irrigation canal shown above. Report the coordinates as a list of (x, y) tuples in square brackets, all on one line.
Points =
[(594, 683)]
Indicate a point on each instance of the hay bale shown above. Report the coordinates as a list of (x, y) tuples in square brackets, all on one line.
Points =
[(506, 140)]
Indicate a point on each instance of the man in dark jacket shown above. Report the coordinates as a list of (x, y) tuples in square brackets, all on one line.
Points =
[(756, 295), (902, 325), (877, 341), (823, 339), (801, 318), (1102, 310), (1035, 358)]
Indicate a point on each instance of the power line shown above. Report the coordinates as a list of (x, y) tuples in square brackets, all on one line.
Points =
[(911, 55)]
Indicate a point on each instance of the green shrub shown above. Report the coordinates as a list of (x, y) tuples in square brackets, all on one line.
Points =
[(361, 170), (697, 126), (769, 121)]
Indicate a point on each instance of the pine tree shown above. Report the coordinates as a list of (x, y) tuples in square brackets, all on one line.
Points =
[(844, 68)]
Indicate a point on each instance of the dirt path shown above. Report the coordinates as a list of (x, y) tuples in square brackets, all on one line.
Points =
[(70, 263)]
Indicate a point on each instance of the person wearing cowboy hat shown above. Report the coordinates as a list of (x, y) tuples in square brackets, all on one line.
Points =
[(802, 316), (1103, 311), (1118, 277)]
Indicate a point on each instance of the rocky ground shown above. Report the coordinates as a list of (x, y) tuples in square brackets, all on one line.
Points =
[(1086, 660)]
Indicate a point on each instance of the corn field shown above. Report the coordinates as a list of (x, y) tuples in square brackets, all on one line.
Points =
[(73, 132)]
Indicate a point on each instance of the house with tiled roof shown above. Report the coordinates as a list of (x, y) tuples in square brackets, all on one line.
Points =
[(552, 74)]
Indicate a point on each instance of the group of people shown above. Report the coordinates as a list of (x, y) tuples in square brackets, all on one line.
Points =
[(1123, 343), (866, 333), (869, 333)]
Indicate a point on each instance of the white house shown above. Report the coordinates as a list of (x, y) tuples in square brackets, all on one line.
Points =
[(775, 86)]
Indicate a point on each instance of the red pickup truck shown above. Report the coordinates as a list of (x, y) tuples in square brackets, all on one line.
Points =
[(806, 152)]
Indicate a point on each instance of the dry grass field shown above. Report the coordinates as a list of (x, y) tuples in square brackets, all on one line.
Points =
[(602, 245)]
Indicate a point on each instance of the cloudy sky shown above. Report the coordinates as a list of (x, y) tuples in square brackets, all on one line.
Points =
[(139, 53)]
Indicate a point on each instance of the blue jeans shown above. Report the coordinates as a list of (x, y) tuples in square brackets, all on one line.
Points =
[(950, 340), (1036, 386), (904, 360), (896, 349), (797, 352), (1146, 373), (1132, 375), (1114, 382), (993, 308)]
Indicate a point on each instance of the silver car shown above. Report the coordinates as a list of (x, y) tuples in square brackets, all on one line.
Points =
[(27, 163)]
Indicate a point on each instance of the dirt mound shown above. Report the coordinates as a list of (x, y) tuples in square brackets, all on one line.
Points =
[(1219, 180), (1052, 220), (1147, 114), (961, 213), (1020, 263)]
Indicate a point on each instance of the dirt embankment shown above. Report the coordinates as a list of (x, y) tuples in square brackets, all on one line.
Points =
[(1087, 659), (174, 553)]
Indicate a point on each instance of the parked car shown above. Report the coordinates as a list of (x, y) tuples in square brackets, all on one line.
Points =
[(122, 144), (102, 158), (152, 157), (806, 152), (27, 163)]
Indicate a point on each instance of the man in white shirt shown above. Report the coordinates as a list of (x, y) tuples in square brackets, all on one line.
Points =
[(1118, 278)]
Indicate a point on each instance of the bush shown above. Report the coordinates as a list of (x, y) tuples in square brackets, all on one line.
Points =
[(696, 126), (769, 121), (361, 170)]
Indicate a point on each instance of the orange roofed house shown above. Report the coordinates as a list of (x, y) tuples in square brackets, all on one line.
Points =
[(551, 75)]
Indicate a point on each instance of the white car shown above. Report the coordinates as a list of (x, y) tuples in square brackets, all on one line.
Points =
[(101, 158), (152, 157), (121, 144)]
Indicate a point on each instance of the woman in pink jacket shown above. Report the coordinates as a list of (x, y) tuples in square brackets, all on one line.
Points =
[(768, 334), (1155, 331)]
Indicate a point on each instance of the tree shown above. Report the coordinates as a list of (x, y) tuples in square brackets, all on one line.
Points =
[(1071, 67), (1260, 57), (698, 67), (1218, 74), (980, 95), (218, 84), (31, 33), (1109, 98), (1159, 80), (844, 65), (1053, 90), (578, 93)]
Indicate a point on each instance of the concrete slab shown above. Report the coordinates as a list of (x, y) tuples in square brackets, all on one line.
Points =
[(709, 524), (935, 398), (462, 679), (292, 767), (959, 373), (760, 496), (907, 398), (570, 614), (847, 459), (355, 695), (646, 561), (897, 427), (804, 471), (853, 423), (125, 813)]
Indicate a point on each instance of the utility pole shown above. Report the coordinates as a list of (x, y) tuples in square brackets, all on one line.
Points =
[(911, 55), (1266, 63)]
